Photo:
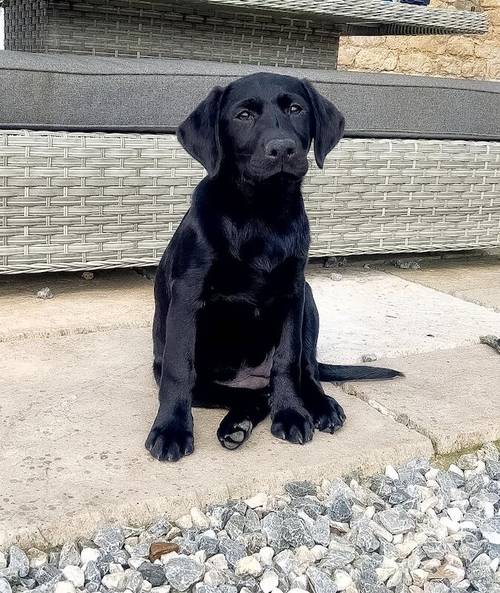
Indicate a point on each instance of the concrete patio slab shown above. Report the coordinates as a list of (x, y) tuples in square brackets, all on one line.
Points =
[(451, 396), (477, 281), (74, 414), (375, 312), (112, 299), (365, 312)]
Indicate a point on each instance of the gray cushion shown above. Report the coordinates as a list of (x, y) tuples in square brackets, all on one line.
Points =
[(43, 91)]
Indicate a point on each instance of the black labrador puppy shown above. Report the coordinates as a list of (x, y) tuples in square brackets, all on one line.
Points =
[(235, 323)]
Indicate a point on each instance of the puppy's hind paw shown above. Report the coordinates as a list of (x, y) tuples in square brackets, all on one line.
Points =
[(233, 433), (167, 443), (327, 413)]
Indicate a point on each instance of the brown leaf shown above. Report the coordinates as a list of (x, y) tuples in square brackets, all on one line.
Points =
[(157, 549)]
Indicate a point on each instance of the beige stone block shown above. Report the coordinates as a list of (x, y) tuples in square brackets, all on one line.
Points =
[(488, 49), (416, 63), (446, 66), (493, 70), (376, 60), (474, 69), (459, 46), (347, 55)]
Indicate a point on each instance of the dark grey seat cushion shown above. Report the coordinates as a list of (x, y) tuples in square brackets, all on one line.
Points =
[(42, 91)]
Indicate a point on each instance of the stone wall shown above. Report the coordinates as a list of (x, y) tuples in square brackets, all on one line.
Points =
[(461, 56)]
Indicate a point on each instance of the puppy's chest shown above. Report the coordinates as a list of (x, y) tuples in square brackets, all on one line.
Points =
[(260, 255), (263, 249), (256, 276)]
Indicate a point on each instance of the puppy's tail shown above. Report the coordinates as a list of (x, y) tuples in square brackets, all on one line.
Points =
[(340, 373)]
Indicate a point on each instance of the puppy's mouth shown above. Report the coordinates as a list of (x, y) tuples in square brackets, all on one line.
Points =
[(284, 170)]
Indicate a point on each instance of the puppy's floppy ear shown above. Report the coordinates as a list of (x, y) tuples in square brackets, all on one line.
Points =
[(199, 132), (327, 121)]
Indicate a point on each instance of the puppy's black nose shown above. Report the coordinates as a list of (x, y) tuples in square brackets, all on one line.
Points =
[(280, 148)]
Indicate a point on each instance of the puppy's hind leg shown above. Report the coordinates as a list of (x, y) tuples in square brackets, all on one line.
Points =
[(247, 407)]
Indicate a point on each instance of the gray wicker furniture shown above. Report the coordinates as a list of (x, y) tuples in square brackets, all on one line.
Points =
[(419, 169), (297, 33)]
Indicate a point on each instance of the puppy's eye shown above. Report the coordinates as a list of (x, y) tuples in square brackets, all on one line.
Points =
[(244, 115), (294, 108)]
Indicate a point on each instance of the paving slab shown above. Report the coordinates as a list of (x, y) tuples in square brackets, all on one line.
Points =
[(374, 312), (365, 312), (477, 281), (112, 299), (74, 414), (451, 396)]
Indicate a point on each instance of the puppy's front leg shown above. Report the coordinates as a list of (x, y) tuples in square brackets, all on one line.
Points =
[(290, 420), (171, 436)]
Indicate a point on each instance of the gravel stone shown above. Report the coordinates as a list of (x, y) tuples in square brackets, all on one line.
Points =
[(153, 573), (18, 562), (64, 587), (294, 533), (363, 537), (75, 575), (480, 574), (491, 530), (233, 551), (37, 558), (235, 526), (47, 574), (320, 581), (5, 586), (69, 556), (248, 566), (199, 519), (110, 539), (45, 293), (269, 581), (253, 542), (320, 530), (92, 576), (208, 543), (302, 488), (396, 521), (259, 500), (183, 572), (340, 509), (116, 581)]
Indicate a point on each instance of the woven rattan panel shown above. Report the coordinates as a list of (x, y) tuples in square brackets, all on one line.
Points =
[(26, 25), (158, 28), (71, 201)]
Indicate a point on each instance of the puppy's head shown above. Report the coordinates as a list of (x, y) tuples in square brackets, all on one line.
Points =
[(262, 126)]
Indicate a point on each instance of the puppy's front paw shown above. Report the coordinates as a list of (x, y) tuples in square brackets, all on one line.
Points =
[(327, 413), (169, 443), (293, 425)]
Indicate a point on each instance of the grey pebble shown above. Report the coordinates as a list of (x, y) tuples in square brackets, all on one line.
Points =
[(69, 555), (301, 488), (110, 539), (153, 573), (183, 572), (18, 561), (320, 581)]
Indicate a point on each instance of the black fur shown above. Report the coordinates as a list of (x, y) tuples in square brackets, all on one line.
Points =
[(230, 290)]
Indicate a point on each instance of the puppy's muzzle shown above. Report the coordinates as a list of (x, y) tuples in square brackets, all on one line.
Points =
[(280, 149)]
